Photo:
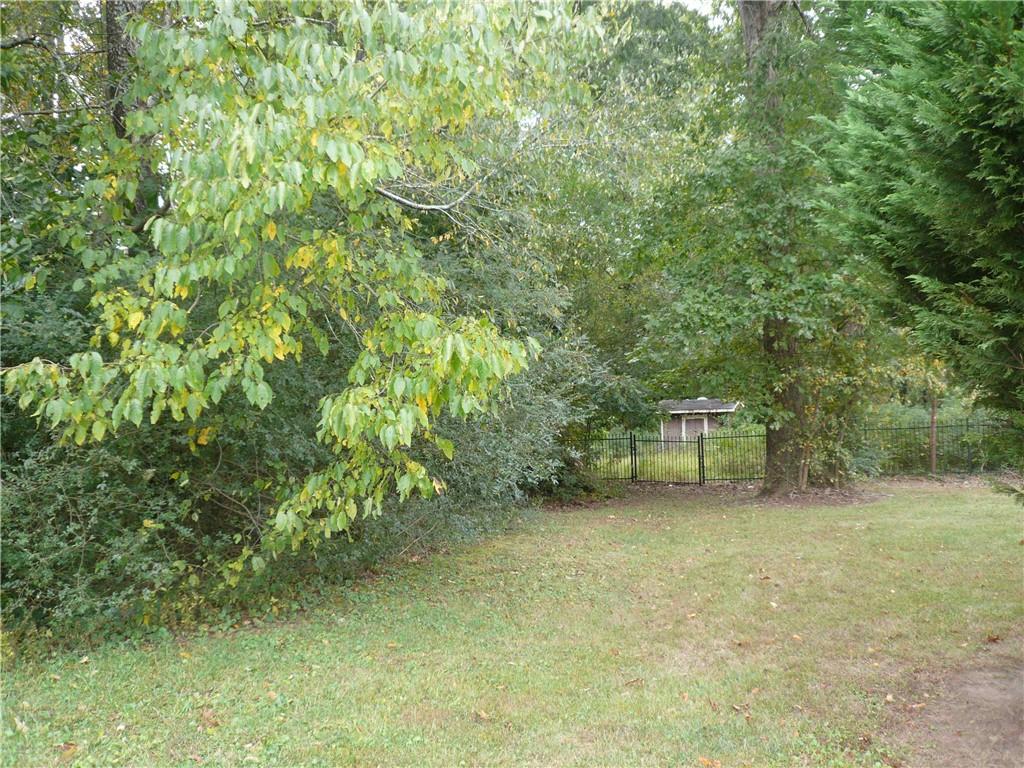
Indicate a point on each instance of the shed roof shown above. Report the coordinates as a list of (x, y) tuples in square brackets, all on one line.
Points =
[(698, 405)]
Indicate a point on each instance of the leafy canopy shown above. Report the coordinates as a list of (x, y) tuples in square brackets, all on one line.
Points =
[(248, 215)]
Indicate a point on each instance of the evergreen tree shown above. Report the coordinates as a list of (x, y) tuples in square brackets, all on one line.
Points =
[(928, 164)]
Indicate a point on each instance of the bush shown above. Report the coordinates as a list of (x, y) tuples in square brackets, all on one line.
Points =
[(91, 537)]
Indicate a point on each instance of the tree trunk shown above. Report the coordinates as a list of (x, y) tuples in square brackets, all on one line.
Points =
[(754, 18), (783, 454), (116, 14), (785, 458), (120, 52)]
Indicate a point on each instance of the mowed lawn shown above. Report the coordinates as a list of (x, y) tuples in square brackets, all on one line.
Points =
[(667, 628)]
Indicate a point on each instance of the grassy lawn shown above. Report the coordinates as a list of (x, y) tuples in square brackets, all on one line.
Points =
[(672, 628)]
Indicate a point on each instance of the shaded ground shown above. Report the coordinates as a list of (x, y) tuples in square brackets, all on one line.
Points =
[(975, 717), (691, 629)]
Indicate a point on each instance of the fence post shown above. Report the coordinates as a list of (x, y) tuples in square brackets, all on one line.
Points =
[(700, 458), (632, 458)]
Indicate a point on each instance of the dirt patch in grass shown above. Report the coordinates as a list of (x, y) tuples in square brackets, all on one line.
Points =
[(823, 497), (975, 716), (747, 493), (628, 494), (731, 494)]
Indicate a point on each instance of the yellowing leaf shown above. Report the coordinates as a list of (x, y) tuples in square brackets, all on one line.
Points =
[(204, 436), (270, 231), (134, 319), (303, 257), (67, 750)]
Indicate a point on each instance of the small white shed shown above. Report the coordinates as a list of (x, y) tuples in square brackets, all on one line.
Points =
[(686, 419)]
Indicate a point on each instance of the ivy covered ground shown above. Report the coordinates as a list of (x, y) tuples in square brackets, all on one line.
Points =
[(670, 627)]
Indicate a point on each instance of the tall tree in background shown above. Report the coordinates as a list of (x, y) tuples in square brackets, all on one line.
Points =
[(763, 33), (928, 160), (761, 305)]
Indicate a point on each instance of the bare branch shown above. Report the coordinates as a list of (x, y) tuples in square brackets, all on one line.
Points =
[(14, 42), (396, 198), (54, 111), (803, 18)]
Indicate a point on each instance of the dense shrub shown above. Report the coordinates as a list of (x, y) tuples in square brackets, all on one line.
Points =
[(161, 525), (92, 536)]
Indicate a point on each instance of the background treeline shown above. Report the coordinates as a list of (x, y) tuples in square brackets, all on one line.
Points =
[(667, 210)]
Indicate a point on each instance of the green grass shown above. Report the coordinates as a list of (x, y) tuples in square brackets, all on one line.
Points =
[(650, 631)]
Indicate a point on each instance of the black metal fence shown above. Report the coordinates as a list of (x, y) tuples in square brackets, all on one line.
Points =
[(959, 447), (729, 455), (725, 456)]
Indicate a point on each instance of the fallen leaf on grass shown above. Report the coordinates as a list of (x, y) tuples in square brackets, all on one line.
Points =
[(480, 716), (207, 718), (889, 697), (742, 709), (19, 725), (636, 681), (993, 639), (707, 762), (67, 750)]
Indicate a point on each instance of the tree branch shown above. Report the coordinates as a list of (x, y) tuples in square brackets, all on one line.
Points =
[(803, 18), (165, 206), (14, 42), (54, 111), (396, 198)]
